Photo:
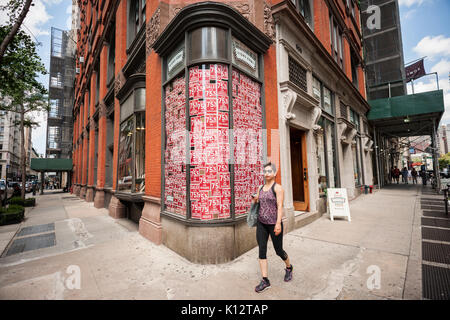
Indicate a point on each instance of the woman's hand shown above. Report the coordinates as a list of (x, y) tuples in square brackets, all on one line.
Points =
[(277, 229)]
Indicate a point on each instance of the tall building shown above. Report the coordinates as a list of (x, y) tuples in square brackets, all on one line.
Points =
[(383, 49), (10, 145), (443, 140), (61, 94), (179, 104)]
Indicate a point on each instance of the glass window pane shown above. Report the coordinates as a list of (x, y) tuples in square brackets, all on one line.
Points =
[(248, 151), (210, 151), (327, 100), (140, 152), (356, 162), (331, 154), (208, 43), (139, 99), (321, 158), (175, 147), (125, 155), (316, 89)]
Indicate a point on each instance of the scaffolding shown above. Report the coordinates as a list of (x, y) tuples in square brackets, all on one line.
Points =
[(61, 94), (383, 49)]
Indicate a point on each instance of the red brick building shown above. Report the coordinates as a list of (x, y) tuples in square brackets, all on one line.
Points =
[(179, 103)]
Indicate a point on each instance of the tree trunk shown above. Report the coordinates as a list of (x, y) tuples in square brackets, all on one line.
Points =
[(23, 157), (14, 29)]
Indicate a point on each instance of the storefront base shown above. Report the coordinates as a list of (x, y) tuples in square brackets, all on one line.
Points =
[(83, 192), (77, 190), (150, 223), (90, 194), (117, 209), (208, 244), (99, 199)]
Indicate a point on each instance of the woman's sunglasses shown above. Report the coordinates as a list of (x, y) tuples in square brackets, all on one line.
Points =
[(267, 171)]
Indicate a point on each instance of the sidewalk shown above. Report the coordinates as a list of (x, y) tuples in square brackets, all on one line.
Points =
[(332, 260)]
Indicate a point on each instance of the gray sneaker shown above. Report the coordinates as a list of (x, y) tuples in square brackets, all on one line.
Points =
[(263, 285), (288, 275)]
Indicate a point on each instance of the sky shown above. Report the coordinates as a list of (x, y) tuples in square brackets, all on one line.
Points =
[(425, 26)]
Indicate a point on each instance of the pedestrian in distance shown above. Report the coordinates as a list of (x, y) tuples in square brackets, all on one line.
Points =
[(270, 197), (423, 175), (396, 174), (405, 175), (414, 175)]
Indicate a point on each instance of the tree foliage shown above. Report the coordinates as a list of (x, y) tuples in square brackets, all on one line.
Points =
[(20, 90), (444, 161)]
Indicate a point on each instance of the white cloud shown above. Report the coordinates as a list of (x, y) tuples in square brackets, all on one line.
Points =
[(442, 68), (409, 14), (433, 46), (409, 3), (52, 2), (36, 18), (39, 134)]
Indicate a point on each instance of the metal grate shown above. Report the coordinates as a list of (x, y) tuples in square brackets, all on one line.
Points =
[(344, 111), (435, 234), (36, 229), (32, 243), (435, 282), (297, 74), (434, 213), (436, 252), (441, 223)]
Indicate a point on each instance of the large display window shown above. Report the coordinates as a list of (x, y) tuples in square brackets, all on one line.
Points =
[(213, 122), (131, 161)]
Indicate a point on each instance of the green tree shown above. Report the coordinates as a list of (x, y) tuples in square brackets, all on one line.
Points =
[(444, 161), (20, 91), (12, 8)]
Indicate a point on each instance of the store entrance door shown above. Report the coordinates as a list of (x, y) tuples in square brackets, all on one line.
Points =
[(299, 169)]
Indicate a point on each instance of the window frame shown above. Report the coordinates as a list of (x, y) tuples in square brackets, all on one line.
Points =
[(132, 94), (259, 78)]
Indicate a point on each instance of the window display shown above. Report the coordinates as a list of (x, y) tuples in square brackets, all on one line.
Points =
[(247, 129), (210, 191), (125, 155), (175, 148)]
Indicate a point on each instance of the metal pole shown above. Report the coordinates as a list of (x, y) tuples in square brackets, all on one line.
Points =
[(412, 84), (389, 85), (437, 80), (435, 161), (376, 157)]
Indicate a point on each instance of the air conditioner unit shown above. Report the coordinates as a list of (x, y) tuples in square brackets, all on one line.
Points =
[(77, 70), (81, 59)]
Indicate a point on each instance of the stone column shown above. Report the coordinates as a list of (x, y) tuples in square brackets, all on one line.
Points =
[(99, 200), (116, 208), (150, 223), (91, 151)]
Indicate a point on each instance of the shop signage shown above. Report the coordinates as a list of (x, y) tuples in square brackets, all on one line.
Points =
[(338, 203), (244, 55), (175, 60)]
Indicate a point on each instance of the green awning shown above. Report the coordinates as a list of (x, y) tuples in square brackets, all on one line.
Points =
[(408, 115), (402, 106), (50, 164)]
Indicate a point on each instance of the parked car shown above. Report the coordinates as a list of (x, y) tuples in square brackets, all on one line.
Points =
[(28, 187), (16, 188), (6, 192)]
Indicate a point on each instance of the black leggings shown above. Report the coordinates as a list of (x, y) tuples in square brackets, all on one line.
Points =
[(262, 236)]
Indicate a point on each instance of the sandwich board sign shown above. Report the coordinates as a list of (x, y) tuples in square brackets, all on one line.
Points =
[(338, 203)]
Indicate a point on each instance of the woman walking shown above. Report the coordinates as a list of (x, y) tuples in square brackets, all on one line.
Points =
[(270, 198)]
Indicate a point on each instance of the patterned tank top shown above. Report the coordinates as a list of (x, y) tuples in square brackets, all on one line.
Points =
[(267, 207)]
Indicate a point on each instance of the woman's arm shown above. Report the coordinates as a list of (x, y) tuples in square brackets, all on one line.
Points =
[(280, 197)]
